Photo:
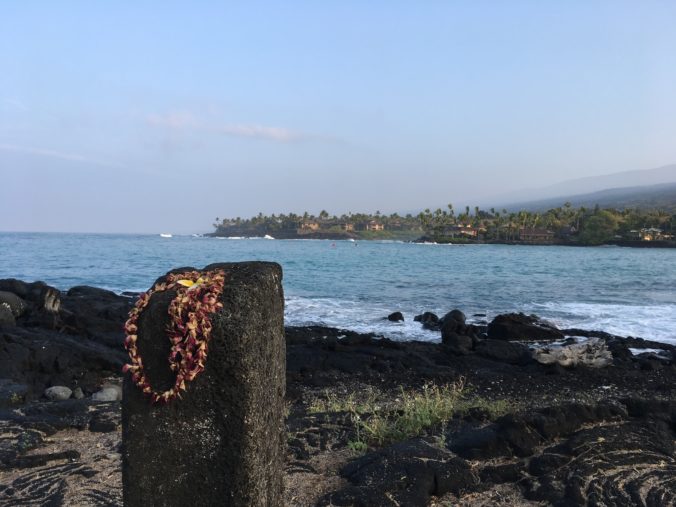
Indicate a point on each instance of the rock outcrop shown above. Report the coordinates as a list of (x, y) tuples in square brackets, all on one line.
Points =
[(521, 327)]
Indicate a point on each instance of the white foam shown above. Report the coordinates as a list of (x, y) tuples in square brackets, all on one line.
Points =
[(652, 322), (355, 316), (655, 322), (636, 351)]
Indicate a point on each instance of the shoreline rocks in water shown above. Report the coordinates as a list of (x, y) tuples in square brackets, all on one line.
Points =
[(521, 432)]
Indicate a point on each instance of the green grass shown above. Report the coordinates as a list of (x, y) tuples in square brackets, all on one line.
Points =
[(379, 420), (416, 411), (364, 402)]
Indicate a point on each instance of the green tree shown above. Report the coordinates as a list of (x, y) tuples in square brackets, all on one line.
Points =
[(599, 228)]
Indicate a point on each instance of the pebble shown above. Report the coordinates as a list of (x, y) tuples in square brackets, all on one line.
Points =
[(108, 393)]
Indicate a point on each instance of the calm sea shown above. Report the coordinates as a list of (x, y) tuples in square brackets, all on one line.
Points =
[(354, 285)]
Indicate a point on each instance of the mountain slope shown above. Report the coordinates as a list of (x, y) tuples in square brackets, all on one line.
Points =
[(662, 196), (579, 186)]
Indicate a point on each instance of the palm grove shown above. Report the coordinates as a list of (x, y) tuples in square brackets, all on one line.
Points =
[(564, 224)]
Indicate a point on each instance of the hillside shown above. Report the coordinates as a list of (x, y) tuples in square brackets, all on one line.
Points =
[(578, 186), (661, 196)]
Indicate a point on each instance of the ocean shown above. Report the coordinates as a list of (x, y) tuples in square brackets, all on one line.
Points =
[(355, 285)]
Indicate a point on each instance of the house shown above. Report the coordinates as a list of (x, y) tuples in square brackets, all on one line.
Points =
[(374, 226), (533, 235), (653, 234), (461, 230), (347, 227), (309, 226)]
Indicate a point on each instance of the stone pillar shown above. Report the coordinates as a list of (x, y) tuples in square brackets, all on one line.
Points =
[(223, 442)]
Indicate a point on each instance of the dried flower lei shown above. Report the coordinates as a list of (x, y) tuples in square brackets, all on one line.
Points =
[(189, 329)]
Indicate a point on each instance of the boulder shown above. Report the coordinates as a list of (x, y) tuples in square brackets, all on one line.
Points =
[(518, 326), (41, 358), (13, 302), (456, 315), (453, 322), (58, 393), (593, 353), (41, 295), (395, 317), (407, 473), (457, 343), (429, 321), (96, 313)]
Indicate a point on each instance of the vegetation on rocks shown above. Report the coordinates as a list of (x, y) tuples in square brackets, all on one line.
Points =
[(379, 420)]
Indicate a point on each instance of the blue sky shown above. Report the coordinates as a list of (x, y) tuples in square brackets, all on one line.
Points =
[(159, 116)]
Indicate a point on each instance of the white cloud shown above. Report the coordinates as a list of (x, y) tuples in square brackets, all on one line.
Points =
[(187, 121), (261, 132), (27, 150), (15, 104), (41, 152)]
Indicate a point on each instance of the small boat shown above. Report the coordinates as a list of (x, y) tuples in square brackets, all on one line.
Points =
[(166, 235)]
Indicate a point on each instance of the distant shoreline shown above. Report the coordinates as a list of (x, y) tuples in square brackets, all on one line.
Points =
[(424, 239)]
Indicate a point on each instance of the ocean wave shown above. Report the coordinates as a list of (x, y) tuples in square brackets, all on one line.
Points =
[(652, 322), (355, 316)]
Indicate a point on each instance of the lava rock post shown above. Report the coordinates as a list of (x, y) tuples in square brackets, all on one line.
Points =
[(222, 443)]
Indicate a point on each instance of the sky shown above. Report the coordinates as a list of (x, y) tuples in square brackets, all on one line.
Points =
[(160, 116)]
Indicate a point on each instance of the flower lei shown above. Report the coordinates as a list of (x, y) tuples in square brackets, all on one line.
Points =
[(189, 329)]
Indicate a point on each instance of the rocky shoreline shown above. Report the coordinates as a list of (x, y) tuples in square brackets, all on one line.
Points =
[(536, 415)]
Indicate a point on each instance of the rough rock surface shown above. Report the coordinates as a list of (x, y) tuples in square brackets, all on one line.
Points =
[(407, 473), (14, 303), (41, 358), (429, 321), (518, 326), (555, 436), (222, 443)]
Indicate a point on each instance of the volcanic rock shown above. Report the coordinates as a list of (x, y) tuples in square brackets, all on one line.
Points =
[(395, 317), (518, 326)]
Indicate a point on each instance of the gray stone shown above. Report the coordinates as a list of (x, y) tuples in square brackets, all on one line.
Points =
[(58, 393), (593, 353), (108, 393), (77, 393), (223, 442)]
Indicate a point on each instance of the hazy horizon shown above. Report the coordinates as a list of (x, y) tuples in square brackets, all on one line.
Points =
[(161, 116)]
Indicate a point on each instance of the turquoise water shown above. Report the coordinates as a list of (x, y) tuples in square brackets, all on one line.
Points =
[(354, 285)]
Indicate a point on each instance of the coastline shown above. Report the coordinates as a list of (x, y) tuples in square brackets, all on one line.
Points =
[(509, 421), (331, 236)]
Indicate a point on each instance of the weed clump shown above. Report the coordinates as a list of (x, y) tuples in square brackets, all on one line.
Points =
[(380, 421)]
